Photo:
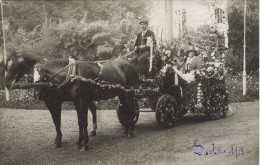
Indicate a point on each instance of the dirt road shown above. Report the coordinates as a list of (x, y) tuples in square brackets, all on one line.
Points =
[(27, 137)]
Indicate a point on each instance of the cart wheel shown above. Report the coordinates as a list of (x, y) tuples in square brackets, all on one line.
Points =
[(166, 111), (120, 113)]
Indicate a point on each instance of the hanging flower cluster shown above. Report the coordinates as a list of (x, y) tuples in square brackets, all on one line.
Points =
[(212, 97), (167, 57)]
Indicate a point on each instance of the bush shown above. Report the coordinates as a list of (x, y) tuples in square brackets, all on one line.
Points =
[(24, 99), (235, 87), (97, 40)]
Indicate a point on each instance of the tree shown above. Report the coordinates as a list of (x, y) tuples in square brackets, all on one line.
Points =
[(88, 29), (236, 34)]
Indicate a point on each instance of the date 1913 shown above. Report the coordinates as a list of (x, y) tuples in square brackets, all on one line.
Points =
[(200, 150)]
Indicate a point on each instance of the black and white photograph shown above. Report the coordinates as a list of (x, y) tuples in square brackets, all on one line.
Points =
[(129, 82)]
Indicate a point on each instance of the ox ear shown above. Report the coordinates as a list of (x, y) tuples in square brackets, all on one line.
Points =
[(20, 59)]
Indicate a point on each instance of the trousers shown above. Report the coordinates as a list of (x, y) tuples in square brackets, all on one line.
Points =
[(142, 61)]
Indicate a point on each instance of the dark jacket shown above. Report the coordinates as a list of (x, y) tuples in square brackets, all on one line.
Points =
[(141, 40)]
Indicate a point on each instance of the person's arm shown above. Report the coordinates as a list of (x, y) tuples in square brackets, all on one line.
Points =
[(137, 41), (178, 63)]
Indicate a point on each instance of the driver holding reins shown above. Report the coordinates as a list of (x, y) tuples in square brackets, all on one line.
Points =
[(142, 50)]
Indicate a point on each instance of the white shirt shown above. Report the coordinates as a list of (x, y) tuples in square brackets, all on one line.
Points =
[(143, 32)]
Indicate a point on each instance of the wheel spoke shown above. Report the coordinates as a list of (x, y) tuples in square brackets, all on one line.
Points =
[(166, 111)]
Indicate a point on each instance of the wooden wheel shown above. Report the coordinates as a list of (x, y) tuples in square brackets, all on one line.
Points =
[(166, 111)]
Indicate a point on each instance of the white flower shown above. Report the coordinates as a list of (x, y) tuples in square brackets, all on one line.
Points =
[(164, 58), (168, 52), (210, 69)]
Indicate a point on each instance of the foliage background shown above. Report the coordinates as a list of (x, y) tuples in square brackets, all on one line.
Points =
[(99, 30), (236, 35)]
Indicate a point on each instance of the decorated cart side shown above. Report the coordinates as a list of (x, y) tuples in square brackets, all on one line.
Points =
[(205, 92), (171, 94)]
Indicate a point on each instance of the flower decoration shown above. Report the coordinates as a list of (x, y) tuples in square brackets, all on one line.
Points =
[(211, 92), (207, 94)]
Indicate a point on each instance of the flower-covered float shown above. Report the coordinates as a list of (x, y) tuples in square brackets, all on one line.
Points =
[(200, 91)]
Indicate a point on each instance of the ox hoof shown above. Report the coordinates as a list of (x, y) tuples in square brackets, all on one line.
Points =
[(93, 133), (77, 147), (125, 134), (58, 145), (131, 135), (86, 148)]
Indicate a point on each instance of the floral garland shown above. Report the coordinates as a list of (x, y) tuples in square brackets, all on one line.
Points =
[(108, 86)]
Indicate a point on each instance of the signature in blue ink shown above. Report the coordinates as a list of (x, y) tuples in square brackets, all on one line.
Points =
[(234, 150)]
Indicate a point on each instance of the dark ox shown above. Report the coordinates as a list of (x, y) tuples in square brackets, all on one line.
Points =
[(82, 95)]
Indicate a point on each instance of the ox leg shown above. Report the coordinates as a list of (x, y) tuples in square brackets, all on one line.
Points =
[(84, 121), (93, 109), (55, 110), (123, 101), (130, 116), (129, 113), (79, 142), (82, 112)]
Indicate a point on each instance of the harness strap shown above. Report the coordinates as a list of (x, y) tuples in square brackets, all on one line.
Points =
[(71, 72), (58, 72), (101, 70)]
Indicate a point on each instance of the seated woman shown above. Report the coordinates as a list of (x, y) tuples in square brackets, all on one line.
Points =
[(190, 64), (187, 68)]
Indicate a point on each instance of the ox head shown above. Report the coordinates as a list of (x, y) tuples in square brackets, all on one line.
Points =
[(16, 67)]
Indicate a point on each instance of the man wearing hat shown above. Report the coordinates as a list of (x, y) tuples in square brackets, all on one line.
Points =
[(142, 51)]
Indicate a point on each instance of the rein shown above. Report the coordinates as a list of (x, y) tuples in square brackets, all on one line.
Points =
[(60, 71), (126, 55)]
